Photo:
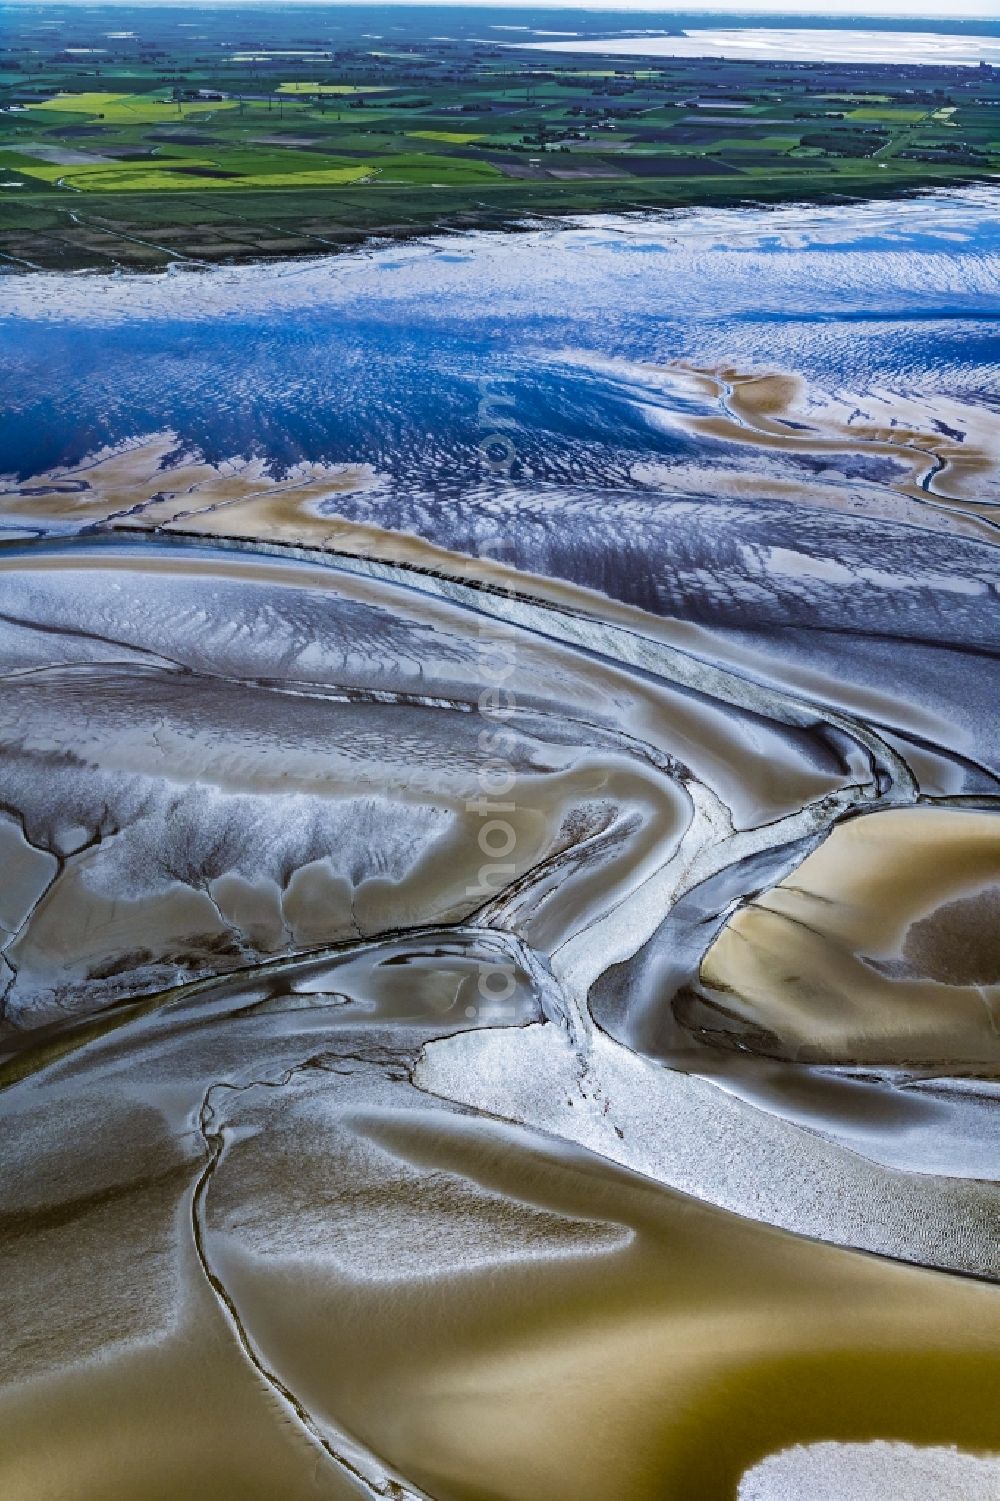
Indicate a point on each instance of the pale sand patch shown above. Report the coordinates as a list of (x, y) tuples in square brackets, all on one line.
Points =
[(861, 954), (946, 450), (152, 483), (687, 1134), (872, 1472)]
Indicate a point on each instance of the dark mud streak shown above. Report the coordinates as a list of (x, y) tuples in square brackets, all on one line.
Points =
[(105, 830), (77, 633), (214, 1139), (16, 1224)]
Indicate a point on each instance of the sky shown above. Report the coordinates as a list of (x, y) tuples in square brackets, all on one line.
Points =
[(964, 10), (937, 9)]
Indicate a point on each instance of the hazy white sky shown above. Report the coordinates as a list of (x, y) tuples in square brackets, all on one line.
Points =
[(903, 10), (942, 9), (984, 10)]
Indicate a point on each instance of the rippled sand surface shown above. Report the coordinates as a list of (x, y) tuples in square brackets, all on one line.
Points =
[(501, 973)]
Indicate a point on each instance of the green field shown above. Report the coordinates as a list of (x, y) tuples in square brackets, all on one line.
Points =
[(127, 109), (319, 89), (889, 115), (167, 145)]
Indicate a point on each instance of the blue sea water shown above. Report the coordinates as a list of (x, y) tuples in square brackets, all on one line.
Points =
[(384, 357)]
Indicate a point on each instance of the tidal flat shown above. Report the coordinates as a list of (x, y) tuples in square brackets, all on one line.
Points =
[(500, 964)]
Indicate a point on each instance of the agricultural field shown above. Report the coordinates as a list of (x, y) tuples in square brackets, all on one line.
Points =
[(237, 135)]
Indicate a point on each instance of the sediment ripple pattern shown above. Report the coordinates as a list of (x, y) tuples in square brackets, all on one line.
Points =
[(500, 986)]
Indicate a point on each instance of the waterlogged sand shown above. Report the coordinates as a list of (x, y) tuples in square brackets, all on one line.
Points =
[(507, 1012), (879, 949), (941, 453), (409, 1284)]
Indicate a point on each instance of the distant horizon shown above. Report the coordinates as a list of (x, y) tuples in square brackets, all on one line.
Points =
[(825, 10)]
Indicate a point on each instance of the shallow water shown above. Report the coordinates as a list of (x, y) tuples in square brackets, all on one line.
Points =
[(804, 43), (500, 974)]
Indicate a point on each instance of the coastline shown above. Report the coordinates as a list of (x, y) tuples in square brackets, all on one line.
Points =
[(110, 246)]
